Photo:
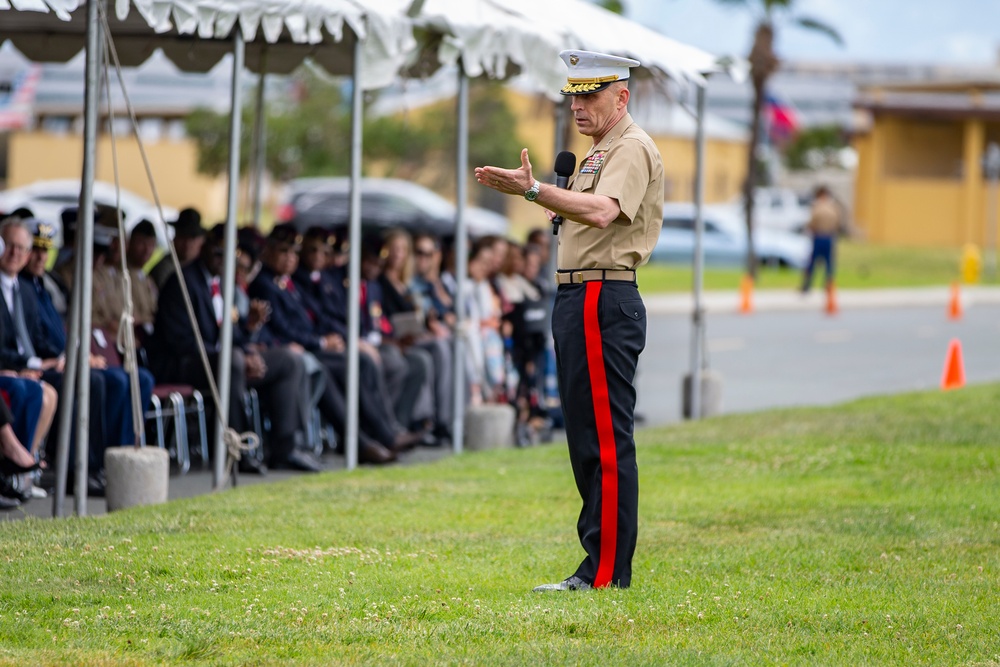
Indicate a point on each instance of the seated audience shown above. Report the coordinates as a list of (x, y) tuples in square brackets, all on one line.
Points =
[(388, 279), (527, 322), (403, 372), (276, 372), (483, 313), (290, 324)]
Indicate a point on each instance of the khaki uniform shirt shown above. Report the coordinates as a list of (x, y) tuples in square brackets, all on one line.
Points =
[(824, 219), (143, 297), (625, 166), (108, 299)]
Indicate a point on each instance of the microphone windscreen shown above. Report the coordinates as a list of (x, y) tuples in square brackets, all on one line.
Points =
[(565, 163)]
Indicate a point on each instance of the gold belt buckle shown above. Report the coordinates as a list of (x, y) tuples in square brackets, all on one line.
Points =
[(579, 277)]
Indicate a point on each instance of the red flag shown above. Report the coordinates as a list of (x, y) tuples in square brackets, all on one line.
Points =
[(782, 121)]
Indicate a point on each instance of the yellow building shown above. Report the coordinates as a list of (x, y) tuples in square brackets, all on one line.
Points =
[(37, 156), (920, 179)]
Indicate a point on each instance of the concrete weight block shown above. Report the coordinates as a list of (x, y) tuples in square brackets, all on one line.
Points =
[(136, 476), (711, 394), (489, 426)]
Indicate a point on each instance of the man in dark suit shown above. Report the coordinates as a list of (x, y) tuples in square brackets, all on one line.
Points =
[(276, 372), (189, 237), (290, 323), (25, 349)]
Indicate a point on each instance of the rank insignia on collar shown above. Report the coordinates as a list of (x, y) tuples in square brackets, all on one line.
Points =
[(593, 163)]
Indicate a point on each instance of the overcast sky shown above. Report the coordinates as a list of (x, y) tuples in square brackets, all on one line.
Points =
[(885, 31)]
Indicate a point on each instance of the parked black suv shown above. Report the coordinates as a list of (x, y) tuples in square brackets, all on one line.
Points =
[(385, 202)]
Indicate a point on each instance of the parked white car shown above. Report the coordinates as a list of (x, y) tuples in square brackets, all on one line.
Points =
[(776, 208), (48, 199), (725, 239)]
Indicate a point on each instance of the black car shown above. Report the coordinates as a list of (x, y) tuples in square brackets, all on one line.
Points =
[(385, 203)]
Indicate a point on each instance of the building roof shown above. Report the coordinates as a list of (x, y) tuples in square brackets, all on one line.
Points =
[(952, 98)]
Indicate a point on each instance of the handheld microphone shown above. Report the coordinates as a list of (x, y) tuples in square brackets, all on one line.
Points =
[(565, 166)]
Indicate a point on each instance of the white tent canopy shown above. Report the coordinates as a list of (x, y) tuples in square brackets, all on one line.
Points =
[(502, 38), (194, 34), (488, 41), (584, 25)]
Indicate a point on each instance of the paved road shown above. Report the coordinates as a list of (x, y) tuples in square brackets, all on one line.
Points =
[(785, 356)]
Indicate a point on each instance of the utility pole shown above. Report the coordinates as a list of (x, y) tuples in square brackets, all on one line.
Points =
[(991, 167)]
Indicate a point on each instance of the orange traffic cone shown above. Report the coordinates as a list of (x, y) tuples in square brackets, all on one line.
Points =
[(746, 294), (954, 369), (955, 303), (831, 299)]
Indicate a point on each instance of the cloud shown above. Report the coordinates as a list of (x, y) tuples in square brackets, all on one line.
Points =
[(967, 47), (917, 31)]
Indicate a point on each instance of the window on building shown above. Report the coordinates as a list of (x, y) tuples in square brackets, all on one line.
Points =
[(57, 124), (924, 149)]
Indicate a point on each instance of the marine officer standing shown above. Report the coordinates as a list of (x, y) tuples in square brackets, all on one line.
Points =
[(613, 212)]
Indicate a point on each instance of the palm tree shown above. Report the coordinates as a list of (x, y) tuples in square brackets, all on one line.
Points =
[(764, 63), (616, 6)]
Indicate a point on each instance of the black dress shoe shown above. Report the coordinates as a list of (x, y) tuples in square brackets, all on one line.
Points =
[(96, 485), (249, 465), (9, 503), (574, 583), (372, 452), (298, 460), (406, 441)]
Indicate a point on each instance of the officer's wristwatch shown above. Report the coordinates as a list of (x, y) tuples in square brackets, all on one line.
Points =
[(531, 194)]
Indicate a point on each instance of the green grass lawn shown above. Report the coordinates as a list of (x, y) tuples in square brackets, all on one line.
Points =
[(859, 266), (861, 534)]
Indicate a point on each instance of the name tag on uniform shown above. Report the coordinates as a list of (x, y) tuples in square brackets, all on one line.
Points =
[(593, 163)]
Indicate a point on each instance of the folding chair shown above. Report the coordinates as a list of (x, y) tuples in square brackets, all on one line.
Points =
[(182, 400)]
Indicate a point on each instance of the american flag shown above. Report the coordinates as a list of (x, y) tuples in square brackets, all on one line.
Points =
[(15, 103)]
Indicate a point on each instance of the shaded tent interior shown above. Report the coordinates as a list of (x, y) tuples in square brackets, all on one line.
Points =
[(448, 32)]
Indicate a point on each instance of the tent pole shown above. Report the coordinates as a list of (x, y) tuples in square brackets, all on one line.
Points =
[(698, 316), (461, 261), (228, 280), (69, 381), (80, 335), (354, 265), (260, 139)]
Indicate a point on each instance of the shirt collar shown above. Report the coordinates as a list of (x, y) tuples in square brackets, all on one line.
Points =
[(616, 131)]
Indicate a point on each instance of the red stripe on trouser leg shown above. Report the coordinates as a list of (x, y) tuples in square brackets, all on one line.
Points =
[(605, 435)]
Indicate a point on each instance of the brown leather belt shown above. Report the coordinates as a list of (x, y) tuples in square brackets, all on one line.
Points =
[(587, 275)]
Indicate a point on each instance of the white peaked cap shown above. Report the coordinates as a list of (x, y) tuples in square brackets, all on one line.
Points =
[(590, 72)]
